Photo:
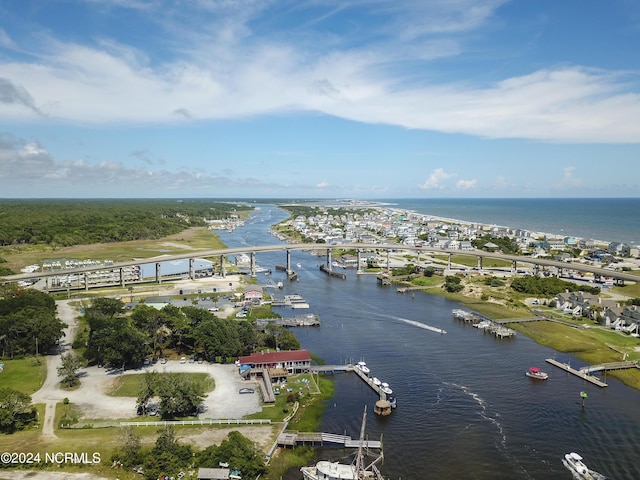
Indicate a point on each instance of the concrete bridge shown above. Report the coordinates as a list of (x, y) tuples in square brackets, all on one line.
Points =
[(118, 269)]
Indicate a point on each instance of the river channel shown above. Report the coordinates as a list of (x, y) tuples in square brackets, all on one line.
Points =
[(465, 409)]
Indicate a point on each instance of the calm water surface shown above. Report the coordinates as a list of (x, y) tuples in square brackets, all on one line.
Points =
[(465, 408)]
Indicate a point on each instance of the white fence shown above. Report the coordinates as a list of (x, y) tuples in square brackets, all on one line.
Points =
[(209, 421)]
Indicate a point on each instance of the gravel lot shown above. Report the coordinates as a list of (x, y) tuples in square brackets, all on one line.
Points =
[(91, 397)]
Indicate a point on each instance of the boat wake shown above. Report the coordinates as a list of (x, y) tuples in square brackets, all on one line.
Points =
[(415, 323), (493, 419)]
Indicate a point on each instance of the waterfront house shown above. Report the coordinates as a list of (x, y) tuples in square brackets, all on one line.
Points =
[(292, 361), (619, 249), (253, 294)]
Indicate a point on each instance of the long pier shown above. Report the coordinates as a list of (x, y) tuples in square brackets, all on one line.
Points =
[(611, 366), (351, 368), (578, 373), (291, 439)]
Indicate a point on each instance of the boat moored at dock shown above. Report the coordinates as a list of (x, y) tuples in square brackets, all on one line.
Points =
[(363, 367), (357, 470)]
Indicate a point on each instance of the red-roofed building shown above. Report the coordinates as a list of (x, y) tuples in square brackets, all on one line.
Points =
[(293, 361)]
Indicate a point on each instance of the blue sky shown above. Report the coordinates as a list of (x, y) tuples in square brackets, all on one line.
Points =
[(319, 98)]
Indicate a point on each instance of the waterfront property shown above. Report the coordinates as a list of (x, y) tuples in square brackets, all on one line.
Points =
[(288, 362)]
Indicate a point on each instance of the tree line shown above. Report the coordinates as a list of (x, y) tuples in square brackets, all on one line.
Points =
[(168, 456), (119, 338), (63, 223)]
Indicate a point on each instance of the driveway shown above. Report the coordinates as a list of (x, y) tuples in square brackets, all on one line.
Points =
[(224, 402)]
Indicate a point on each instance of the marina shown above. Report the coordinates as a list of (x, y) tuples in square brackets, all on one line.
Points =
[(483, 323), (308, 320)]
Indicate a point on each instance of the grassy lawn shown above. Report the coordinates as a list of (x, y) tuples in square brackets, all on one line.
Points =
[(632, 290), (25, 375), (129, 385)]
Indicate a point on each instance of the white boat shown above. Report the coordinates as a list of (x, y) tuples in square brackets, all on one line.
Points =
[(363, 367), (573, 462), (384, 386), (376, 381), (299, 265), (535, 372), (357, 470)]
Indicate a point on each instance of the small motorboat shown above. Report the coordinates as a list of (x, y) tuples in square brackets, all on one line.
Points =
[(376, 381), (363, 367), (384, 386), (535, 372), (573, 462)]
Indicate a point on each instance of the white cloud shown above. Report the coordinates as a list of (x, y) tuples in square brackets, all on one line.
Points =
[(227, 70), (569, 179), (466, 184), (322, 185), (434, 182)]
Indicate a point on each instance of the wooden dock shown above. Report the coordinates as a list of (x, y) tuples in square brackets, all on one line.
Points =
[(578, 373), (291, 439), (309, 320), (611, 366), (350, 368)]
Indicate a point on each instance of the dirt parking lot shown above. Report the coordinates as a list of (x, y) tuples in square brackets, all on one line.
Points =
[(224, 402)]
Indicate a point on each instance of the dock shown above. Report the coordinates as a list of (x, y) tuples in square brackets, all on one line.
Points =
[(291, 439), (350, 368), (484, 323), (309, 320), (603, 367), (578, 373)]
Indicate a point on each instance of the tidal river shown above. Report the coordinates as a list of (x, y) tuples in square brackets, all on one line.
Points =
[(465, 410)]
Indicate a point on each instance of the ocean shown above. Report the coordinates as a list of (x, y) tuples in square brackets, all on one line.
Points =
[(603, 219)]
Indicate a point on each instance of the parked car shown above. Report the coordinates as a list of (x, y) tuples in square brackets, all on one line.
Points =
[(164, 360), (183, 360), (246, 390)]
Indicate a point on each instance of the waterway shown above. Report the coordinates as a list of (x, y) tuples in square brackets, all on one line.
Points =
[(465, 410)]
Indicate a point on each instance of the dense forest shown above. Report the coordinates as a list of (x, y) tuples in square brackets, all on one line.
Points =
[(64, 223)]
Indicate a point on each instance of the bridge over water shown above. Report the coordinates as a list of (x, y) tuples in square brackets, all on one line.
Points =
[(118, 269)]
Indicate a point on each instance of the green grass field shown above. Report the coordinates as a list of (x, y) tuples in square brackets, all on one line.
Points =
[(129, 385), (25, 375)]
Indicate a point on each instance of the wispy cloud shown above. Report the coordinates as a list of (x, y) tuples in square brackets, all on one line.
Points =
[(219, 61)]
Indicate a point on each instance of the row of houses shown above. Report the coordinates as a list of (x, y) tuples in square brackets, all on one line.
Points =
[(413, 229), (609, 313)]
